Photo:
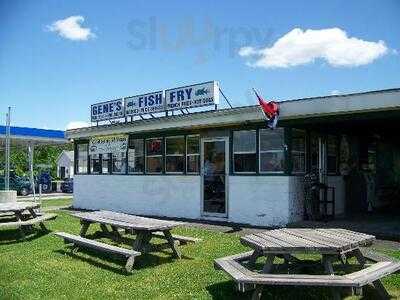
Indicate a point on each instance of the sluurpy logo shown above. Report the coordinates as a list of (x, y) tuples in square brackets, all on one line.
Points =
[(201, 92)]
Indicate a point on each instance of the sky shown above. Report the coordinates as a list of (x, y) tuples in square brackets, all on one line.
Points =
[(59, 57)]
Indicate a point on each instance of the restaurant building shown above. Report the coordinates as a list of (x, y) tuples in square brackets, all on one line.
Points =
[(225, 164)]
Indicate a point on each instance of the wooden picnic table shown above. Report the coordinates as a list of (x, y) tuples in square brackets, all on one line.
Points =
[(144, 229), (24, 213), (331, 244)]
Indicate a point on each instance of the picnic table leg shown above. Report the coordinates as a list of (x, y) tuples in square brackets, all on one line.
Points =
[(34, 215), (142, 241), (327, 261), (171, 243), (377, 283), (360, 257), (269, 264), (129, 264), (116, 235), (19, 217), (104, 229), (253, 258), (257, 293), (381, 289), (85, 226)]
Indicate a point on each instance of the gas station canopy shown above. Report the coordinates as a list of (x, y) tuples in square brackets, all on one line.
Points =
[(27, 137), (24, 136)]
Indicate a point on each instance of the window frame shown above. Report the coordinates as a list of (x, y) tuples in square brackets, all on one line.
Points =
[(91, 164), (174, 155), (337, 149), (305, 152), (192, 154), (271, 151), (108, 160), (244, 152), (144, 157), (123, 160), (158, 155), (77, 158)]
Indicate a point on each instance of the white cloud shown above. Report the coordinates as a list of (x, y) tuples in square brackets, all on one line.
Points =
[(71, 29), (76, 124), (300, 47), (335, 92)]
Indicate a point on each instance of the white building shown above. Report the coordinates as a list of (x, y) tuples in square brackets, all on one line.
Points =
[(65, 164), (225, 165)]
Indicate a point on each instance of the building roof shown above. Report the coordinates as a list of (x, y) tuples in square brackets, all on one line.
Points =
[(34, 135), (296, 109), (68, 154)]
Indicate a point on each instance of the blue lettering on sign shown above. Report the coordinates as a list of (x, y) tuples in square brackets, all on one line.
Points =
[(158, 98), (109, 109), (188, 93), (171, 97), (150, 100), (180, 95)]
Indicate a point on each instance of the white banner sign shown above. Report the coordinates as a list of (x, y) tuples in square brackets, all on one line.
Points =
[(108, 110), (197, 95), (145, 104), (108, 144)]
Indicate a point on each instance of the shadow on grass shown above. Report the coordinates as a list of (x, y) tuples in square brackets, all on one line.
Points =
[(13, 236), (146, 260), (127, 242), (227, 290)]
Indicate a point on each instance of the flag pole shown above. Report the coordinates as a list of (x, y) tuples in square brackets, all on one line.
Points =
[(7, 171)]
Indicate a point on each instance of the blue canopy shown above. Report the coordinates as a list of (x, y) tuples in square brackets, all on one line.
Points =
[(26, 134)]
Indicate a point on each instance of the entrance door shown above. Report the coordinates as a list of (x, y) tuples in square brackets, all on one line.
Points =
[(214, 174)]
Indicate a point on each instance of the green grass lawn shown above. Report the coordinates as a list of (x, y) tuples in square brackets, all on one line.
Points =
[(57, 202), (42, 267)]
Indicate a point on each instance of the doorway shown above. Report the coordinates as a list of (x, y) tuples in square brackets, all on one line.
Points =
[(62, 172), (214, 176)]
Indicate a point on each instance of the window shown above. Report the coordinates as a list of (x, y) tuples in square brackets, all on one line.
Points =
[(332, 151), (135, 156), (154, 156), (82, 163), (105, 163), (118, 163), (244, 151), (174, 154), (193, 154), (298, 151), (272, 155), (314, 152), (95, 166)]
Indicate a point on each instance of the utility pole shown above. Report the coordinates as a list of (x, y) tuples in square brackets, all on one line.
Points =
[(7, 171)]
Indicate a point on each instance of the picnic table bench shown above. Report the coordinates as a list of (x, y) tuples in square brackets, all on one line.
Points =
[(24, 215), (331, 244), (114, 224)]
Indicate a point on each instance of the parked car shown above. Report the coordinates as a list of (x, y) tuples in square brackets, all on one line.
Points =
[(67, 186), (45, 180), (19, 184)]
